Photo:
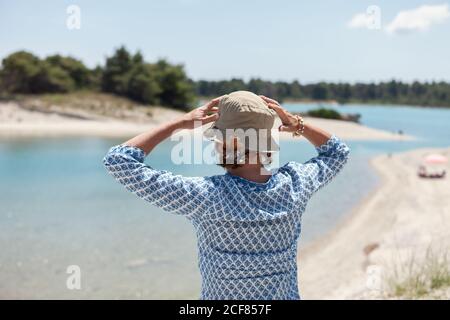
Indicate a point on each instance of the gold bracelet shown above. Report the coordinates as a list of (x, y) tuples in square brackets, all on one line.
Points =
[(301, 127)]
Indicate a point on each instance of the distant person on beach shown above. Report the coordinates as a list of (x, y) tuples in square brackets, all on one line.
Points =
[(247, 220)]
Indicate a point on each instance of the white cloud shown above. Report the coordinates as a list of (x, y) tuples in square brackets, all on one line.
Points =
[(371, 19), (418, 19), (359, 20)]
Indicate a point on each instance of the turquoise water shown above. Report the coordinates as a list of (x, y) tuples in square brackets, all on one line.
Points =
[(59, 208), (430, 125)]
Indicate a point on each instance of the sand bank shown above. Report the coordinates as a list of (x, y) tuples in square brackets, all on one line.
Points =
[(405, 218), (16, 121)]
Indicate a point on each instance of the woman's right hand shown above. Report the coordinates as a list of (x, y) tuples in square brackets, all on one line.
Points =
[(288, 120), (204, 114)]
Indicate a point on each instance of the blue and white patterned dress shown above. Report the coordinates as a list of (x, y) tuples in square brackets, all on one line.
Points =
[(247, 232)]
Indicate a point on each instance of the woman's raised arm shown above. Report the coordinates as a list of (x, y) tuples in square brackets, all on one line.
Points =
[(290, 123), (188, 196), (332, 153), (149, 140)]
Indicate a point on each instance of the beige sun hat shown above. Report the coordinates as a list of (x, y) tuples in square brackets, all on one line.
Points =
[(244, 115)]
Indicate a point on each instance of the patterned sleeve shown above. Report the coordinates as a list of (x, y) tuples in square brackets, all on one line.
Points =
[(173, 193), (318, 171)]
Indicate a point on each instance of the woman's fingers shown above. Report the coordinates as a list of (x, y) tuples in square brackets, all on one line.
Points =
[(210, 118), (280, 112), (210, 105), (269, 100), (273, 104), (287, 119), (284, 128)]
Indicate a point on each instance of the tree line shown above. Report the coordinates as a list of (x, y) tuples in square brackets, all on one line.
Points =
[(391, 92), (124, 74), (127, 74)]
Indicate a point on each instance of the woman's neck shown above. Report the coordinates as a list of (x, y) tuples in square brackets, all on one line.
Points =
[(252, 172)]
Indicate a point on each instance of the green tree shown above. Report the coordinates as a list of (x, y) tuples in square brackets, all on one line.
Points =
[(296, 91), (320, 92), (143, 85), (128, 75), (176, 89), (116, 71), (52, 79), (19, 71), (75, 69), (23, 72), (257, 86), (95, 78)]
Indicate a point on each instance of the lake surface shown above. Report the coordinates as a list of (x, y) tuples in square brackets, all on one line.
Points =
[(60, 208)]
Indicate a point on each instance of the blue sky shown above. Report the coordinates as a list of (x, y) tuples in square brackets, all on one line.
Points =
[(276, 40)]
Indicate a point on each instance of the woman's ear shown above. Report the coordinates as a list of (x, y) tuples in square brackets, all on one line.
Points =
[(265, 158)]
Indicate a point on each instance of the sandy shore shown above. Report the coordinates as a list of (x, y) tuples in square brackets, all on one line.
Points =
[(405, 218), (16, 121)]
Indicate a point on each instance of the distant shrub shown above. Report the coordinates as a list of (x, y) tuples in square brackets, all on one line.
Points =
[(332, 114), (324, 113)]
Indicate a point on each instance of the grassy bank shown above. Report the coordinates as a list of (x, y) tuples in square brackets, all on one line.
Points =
[(83, 104)]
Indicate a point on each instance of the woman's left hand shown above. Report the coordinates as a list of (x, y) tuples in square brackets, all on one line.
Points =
[(289, 121), (202, 115)]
